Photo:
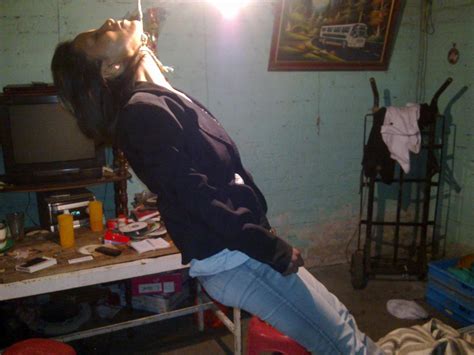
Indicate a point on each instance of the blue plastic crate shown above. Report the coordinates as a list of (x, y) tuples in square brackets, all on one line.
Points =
[(438, 271), (451, 303), (454, 296)]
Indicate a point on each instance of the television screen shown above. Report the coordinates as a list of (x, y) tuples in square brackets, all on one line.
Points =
[(47, 133), (42, 142)]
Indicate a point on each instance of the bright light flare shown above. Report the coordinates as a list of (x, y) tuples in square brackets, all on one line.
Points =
[(229, 8)]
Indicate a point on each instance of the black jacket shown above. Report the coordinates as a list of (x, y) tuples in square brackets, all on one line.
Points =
[(182, 153)]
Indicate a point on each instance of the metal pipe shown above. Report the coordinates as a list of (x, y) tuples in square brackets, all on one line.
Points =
[(134, 322), (375, 91), (397, 224), (434, 100)]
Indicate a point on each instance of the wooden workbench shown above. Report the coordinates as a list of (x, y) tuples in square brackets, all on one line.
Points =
[(102, 269), (15, 284)]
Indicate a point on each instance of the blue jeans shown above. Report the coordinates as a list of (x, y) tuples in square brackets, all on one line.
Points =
[(298, 305)]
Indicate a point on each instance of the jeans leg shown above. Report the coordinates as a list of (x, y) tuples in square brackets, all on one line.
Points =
[(298, 305), (317, 287)]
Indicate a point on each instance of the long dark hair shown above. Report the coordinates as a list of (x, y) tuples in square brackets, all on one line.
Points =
[(92, 99)]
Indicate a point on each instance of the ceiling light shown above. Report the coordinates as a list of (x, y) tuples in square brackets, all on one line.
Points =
[(229, 8)]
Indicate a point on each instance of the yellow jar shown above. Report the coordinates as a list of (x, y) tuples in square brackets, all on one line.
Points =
[(96, 216), (66, 230)]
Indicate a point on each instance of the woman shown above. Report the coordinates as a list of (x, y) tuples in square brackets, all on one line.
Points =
[(213, 210)]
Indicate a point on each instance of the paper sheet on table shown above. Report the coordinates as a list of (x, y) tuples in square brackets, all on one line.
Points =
[(145, 245)]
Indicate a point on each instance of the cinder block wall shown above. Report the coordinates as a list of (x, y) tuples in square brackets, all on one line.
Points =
[(300, 133)]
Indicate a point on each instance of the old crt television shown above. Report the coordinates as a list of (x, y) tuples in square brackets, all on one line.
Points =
[(41, 141)]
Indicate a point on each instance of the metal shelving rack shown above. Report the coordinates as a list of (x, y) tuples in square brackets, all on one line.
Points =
[(366, 262)]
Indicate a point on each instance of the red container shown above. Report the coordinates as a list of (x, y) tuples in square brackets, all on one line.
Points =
[(115, 238)]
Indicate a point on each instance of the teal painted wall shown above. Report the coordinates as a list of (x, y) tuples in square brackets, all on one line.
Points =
[(300, 133), (453, 24)]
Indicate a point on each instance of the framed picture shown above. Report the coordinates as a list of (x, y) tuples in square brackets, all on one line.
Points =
[(333, 34)]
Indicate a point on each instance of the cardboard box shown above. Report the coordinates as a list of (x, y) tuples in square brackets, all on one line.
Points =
[(157, 284), (160, 303)]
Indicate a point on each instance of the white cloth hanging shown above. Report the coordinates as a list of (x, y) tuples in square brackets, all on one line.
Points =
[(401, 134)]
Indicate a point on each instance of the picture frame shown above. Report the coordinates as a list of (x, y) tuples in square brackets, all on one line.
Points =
[(333, 34)]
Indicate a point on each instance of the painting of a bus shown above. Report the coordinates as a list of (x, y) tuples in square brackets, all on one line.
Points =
[(333, 34), (351, 35)]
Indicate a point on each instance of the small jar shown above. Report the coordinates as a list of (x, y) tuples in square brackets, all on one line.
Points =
[(96, 216), (66, 231)]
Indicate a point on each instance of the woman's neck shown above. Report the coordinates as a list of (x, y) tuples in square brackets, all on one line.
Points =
[(150, 70)]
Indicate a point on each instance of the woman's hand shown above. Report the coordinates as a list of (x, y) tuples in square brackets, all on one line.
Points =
[(295, 263)]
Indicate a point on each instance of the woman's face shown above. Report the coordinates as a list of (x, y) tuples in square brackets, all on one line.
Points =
[(113, 42)]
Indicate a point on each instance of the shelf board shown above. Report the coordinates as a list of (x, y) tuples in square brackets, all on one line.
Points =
[(52, 186)]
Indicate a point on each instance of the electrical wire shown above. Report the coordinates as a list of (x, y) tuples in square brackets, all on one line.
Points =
[(26, 211)]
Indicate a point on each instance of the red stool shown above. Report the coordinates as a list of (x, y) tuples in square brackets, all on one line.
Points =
[(262, 336), (38, 346)]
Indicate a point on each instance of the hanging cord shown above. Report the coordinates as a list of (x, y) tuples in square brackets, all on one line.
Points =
[(426, 28), (140, 12), (146, 37), (163, 68), (429, 23), (420, 83)]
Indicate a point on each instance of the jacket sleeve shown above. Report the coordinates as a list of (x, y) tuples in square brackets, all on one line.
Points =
[(151, 135)]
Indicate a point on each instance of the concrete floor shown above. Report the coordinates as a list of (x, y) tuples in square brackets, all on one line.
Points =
[(180, 336)]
